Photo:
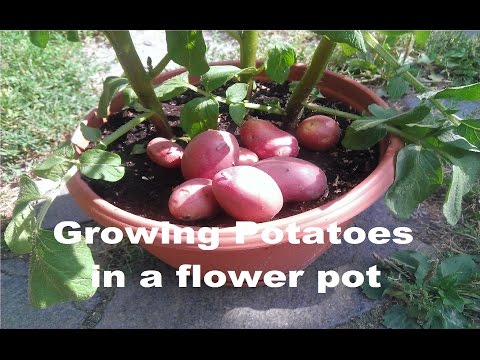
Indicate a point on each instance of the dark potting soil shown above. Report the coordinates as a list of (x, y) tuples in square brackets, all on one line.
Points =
[(146, 187)]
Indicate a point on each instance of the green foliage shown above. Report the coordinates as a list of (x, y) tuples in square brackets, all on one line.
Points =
[(433, 294), (353, 38), (187, 48), (237, 112), (59, 272), (218, 76), (279, 60), (237, 92), (171, 88), (111, 86), (39, 38), (198, 115), (101, 165), (89, 133)]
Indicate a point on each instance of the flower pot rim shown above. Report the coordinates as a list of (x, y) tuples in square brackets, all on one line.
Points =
[(339, 210)]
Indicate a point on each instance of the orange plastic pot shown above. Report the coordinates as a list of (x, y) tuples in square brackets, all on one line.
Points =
[(255, 254)]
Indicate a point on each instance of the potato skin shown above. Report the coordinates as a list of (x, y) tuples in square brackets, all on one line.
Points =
[(266, 140), (165, 153), (193, 200), (247, 157), (299, 180), (247, 193), (318, 133), (208, 153)]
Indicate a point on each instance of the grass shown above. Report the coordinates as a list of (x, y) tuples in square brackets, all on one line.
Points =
[(43, 95)]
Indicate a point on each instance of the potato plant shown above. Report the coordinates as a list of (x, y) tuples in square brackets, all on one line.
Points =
[(436, 139)]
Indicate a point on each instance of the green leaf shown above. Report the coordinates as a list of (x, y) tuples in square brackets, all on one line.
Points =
[(469, 162), (89, 133), (414, 115), (348, 50), (451, 298), (129, 96), (72, 35), (454, 319), (381, 112), (455, 140), (187, 48), (237, 92), (415, 260), (28, 192), (279, 60), (138, 149), (111, 86), (101, 165), (171, 88), (237, 113), (59, 272), (20, 229), (418, 174), (353, 38), (53, 168), (218, 75), (421, 37), (462, 266), (467, 92), (39, 38), (397, 87), (57, 164), (362, 140), (376, 293), (470, 130), (198, 115), (452, 208), (397, 318)]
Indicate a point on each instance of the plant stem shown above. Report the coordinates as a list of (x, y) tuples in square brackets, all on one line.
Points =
[(138, 78), (266, 108), (312, 76), (248, 56), (417, 85), (330, 111), (403, 135), (52, 194), (411, 42), (122, 130), (160, 66)]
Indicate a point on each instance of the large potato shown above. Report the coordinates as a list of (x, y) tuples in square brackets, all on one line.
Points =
[(208, 153), (247, 193), (319, 133), (299, 180), (193, 200), (266, 140), (165, 152), (246, 157)]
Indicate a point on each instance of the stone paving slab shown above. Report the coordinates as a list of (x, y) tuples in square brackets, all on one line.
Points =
[(302, 307), (16, 311)]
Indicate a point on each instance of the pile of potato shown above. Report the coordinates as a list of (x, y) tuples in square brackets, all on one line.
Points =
[(249, 183)]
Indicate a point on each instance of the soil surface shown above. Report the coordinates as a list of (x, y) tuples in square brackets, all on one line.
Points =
[(146, 187)]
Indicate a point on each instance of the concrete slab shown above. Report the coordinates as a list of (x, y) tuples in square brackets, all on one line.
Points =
[(16, 311), (171, 307)]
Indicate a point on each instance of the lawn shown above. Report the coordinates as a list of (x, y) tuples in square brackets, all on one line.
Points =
[(44, 93)]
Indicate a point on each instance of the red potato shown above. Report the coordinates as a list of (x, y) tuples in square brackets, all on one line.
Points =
[(193, 200), (208, 153), (165, 153), (299, 180), (247, 157), (319, 133), (247, 193), (266, 140)]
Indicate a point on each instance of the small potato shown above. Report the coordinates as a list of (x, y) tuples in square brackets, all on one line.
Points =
[(247, 193), (299, 180), (319, 133), (165, 153), (266, 140), (193, 200), (247, 157), (208, 153)]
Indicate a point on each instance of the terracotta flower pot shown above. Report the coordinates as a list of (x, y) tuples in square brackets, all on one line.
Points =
[(255, 254)]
